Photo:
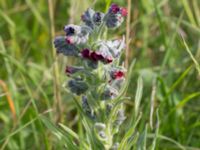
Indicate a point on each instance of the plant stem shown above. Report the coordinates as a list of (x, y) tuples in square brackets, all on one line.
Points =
[(55, 68), (128, 34)]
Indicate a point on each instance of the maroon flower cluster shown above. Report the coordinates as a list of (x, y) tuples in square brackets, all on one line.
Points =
[(94, 56), (114, 8), (118, 74)]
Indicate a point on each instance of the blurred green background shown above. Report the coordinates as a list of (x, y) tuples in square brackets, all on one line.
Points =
[(30, 85)]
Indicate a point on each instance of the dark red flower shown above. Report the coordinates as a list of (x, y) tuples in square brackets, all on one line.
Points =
[(85, 53), (108, 60), (124, 12), (114, 8), (68, 70), (96, 57), (68, 40), (118, 74), (69, 31)]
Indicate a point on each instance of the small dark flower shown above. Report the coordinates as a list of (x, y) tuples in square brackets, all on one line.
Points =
[(96, 57), (76, 34), (114, 8), (69, 40), (85, 53), (93, 56), (118, 74), (68, 70), (123, 12), (108, 60), (72, 69), (69, 30)]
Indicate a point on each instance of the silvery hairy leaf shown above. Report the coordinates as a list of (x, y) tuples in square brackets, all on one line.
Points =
[(99, 126), (87, 17), (120, 117), (77, 34), (86, 107), (117, 84), (112, 48), (109, 93)]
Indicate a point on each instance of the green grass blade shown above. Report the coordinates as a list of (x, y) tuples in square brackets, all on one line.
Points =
[(138, 96), (191, 55)]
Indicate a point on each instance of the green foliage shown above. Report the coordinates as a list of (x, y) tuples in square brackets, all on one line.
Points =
[(165, 41)]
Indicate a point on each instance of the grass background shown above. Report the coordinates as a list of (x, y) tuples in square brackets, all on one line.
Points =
[(164, 38)]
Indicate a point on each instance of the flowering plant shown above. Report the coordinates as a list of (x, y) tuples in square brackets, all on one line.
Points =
[(98, 81)]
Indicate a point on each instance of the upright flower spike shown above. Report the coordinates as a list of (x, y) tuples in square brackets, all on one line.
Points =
[(98, 78)]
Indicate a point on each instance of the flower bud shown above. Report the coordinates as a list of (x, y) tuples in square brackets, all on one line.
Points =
[(72, 30), (120, 117), (87, 17), (115, 146), (77, 87), (123, 12), (72, 69), (69, 30), (114, 8), (98, 18), (63, 47), (109, 93), (99, 126), (102, 134), (114, 17)]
